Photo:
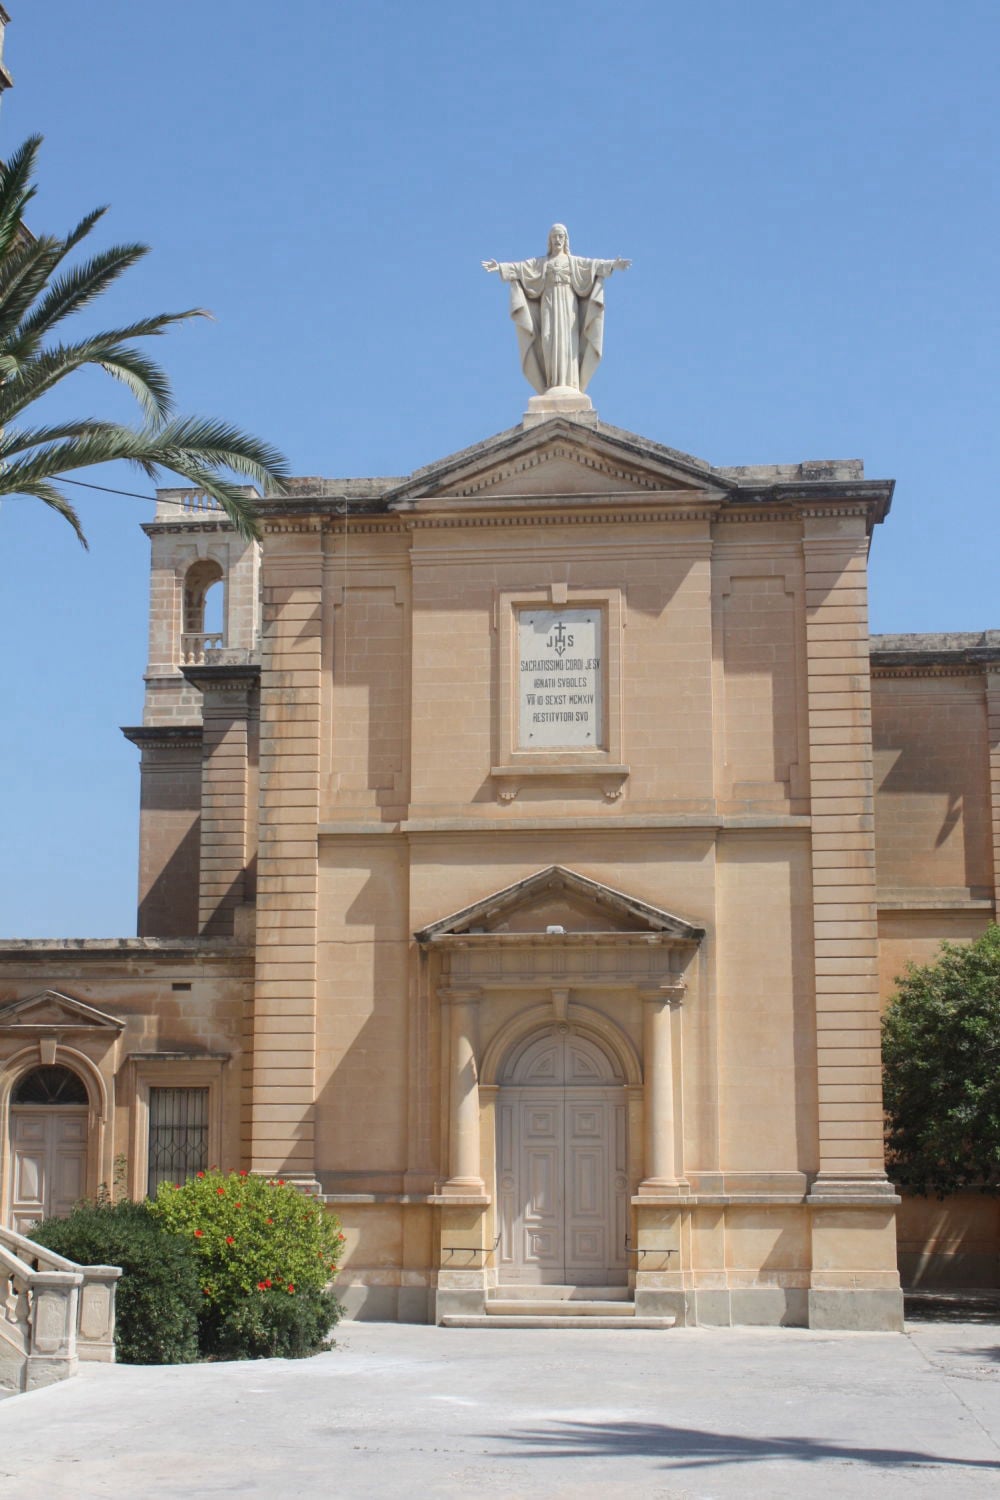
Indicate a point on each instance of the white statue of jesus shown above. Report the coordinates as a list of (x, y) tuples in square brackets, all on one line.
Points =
[(557, 304)]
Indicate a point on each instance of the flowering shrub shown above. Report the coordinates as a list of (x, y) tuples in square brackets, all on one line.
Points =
[(265, 1252)]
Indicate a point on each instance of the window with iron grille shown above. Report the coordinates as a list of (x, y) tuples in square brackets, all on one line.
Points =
[(178, 1135)]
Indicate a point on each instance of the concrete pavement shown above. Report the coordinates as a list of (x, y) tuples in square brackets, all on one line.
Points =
[(393, 1411)]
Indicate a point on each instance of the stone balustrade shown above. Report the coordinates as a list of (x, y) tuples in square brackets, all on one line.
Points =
[(195, 643), (53, 1313)]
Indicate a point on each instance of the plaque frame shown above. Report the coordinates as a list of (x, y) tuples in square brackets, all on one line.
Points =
[(513, 765)]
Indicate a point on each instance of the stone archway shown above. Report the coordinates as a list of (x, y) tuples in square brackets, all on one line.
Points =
[(562, 1152)]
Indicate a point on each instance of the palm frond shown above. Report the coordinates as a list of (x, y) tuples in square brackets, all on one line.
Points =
[(16, 189), (33, 301), (144, 378), (22, 439), (78, 287), (49, 495)]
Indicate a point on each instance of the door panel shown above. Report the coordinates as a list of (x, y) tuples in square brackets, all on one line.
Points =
[(561, 1166), (49, 1162)]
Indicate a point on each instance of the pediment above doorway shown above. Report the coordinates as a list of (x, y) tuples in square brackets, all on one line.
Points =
[(51, 1011), (559, 904)]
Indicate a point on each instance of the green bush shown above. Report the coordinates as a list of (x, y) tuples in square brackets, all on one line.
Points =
[(266, 1254), (268, 1324), (941, 1071), (159, 1295)]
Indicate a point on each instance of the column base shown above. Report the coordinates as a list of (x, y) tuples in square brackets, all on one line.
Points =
[(662, 1187), (462, 1187)]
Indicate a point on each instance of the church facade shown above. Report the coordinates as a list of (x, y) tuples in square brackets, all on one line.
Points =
[(524, 865)]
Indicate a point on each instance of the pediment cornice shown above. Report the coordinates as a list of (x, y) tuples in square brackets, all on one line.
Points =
[(52, 1011), (605, 914)]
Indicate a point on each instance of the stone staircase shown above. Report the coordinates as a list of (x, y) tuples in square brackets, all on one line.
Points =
[(556, 1307), (53, 1313)]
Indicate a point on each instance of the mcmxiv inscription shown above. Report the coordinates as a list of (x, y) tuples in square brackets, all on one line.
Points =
[(560, 677)]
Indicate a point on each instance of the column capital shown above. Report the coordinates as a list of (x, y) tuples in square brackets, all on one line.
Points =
[(459, 994), (671, 992)]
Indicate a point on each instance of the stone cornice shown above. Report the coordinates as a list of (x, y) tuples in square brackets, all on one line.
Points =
[(220, 677), (163, 736), (906, 669), (98, 950)]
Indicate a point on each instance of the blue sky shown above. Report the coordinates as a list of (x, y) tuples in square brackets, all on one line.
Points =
[(808, 194)]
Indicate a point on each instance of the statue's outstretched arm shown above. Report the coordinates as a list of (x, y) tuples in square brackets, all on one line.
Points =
[(491, 265)]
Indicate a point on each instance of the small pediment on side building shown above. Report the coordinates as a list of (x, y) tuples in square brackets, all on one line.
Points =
[(557, 461), (52, 1011), (559, 900)]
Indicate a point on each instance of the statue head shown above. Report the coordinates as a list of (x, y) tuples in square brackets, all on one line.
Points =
[(558, 239)]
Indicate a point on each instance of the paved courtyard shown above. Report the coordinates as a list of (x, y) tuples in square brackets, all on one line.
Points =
[(408, 1411)]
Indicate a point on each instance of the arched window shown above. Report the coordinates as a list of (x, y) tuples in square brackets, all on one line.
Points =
[(204, 627), (50, 1085)]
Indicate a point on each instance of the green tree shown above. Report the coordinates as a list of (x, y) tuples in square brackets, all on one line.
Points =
[(941, 1071), (37, 294)]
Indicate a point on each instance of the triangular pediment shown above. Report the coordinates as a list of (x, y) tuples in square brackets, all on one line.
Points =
[(557, 900), (560, 460), (52, 1011)]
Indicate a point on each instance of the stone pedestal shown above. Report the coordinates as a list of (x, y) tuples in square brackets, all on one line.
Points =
[(561, 401)]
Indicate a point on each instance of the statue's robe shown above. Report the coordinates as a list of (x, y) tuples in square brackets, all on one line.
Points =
[(557, 304)]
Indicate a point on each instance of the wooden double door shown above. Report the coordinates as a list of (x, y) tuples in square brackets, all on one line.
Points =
[(48, 1162), (561, 1164)]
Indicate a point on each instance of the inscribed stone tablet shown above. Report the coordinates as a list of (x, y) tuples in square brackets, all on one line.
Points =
[(560, 679)]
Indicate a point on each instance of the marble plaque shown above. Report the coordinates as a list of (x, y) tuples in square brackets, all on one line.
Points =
[(560, 679)]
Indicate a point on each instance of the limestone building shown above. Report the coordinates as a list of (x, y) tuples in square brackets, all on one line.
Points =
[(510, 875)]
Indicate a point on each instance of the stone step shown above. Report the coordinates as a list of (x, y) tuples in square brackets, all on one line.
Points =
[(553, 1307), (527, 1320), (536, 1292)]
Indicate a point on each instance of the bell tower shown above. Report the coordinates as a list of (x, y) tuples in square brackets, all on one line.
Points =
[(199, 732)]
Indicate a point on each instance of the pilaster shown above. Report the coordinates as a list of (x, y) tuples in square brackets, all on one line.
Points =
[(993, 731), (843, 853), (229, 703), (284, 1025)]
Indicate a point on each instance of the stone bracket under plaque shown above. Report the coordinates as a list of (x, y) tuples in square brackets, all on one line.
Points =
[(610, 779)]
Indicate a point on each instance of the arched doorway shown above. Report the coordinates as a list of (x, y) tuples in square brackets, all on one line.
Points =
[(562, 1181), (48, 1144)]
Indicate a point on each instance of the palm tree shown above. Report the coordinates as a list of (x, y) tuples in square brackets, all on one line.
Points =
[(36, 295)]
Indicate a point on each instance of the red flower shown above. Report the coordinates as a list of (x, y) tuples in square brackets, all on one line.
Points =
[(291, 1286), (267, 1282), (340, 1238), (281, 1182), (243, 1174), (262, 1286), (237, 1205), (221, 1192), (230, 1240), (198, 1234), (269, 1221), (199, 1174), (206, 1291)]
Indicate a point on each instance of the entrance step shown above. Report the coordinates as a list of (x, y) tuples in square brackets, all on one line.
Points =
[(538, 1292), (556, 1307), (564, 1320), (552, 1307)]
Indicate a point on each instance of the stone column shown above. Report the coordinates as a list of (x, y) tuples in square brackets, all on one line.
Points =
[(464, 1159), (658, 1072)]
